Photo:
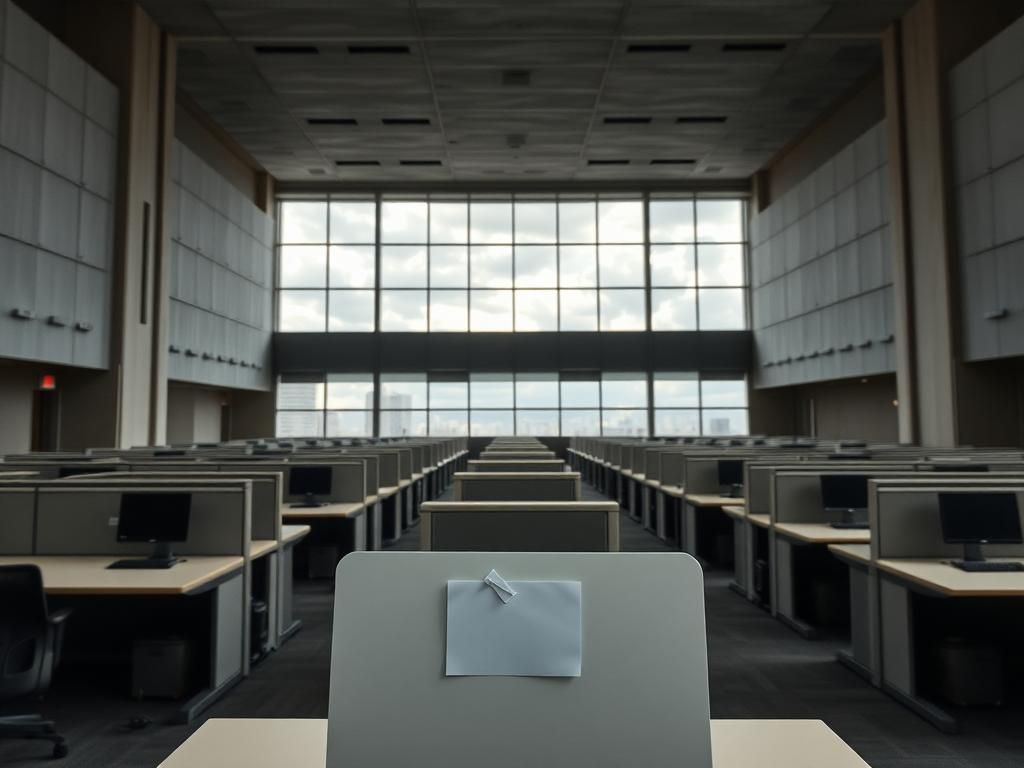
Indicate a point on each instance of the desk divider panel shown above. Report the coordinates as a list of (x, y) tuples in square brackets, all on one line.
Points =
[(514, 465), (797, 497), (905, 518), (514, 455), (672, 471), (761, 476), (387, 466), (517, 486), (17, 520), (83, 520), (348, 479)]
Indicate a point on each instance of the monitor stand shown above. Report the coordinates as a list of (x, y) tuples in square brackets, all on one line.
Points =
[(850, 522), (308, 502), (161, 559)]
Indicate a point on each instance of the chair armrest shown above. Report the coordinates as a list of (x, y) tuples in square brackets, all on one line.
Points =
[(59, 617), (57, 621)]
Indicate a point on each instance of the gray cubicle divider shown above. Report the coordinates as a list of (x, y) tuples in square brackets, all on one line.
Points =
[(516, 465), (760, 476), (348, 479), (513, 455), (517, 486), (17, 520), (378, 678), (671, 472), (797, 494), (524, 526)]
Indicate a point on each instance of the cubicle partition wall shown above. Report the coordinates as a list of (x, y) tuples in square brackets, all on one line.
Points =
[(17, 520), (517, 486), (516, 465)]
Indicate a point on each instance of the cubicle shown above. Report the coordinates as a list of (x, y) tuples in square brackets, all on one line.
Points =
[(516, 465), (517, 486)]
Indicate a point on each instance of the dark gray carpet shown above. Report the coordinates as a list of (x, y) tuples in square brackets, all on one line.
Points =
[(758, 669)]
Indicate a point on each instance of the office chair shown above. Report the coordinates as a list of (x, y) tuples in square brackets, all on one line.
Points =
[(30, 644)]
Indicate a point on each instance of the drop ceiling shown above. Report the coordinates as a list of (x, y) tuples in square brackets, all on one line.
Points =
[(520, 90)]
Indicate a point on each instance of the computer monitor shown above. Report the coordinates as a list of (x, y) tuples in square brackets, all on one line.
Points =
[(846, 494), (160, 519), (730, 476), (850, 456), (953, 467), (169, 452), (74, 471), (974, 519), (309, 483)]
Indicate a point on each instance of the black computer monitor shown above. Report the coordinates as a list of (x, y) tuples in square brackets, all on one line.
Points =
[(974, 519), (160, 519), (73, 471), (847, 494), (850, 456), (730, 475), (310, 482), (170, 452), (953, 467)]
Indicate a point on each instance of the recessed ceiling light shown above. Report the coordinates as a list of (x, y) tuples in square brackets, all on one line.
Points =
[(378, 49), (607, 162), (673, 161), (627, 120), (405, 120), (356, 163), (700, 119), (753, 47), (332, 121), (286, 50), (420, 162), (658, 48)]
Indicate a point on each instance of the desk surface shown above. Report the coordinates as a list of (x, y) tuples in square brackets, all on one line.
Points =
[(303, 744), (675, 491), (711, 500), (937, 575), (823, 533), (260, 547), (857, 553), (293, 533), (762, 521), (81, 575), (387, 492), (737, 513), (337, 509)]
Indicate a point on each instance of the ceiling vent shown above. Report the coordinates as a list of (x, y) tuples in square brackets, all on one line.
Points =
[(332, 121), (516, 77), (386, 50), (405, 120), (607, 162), (713, 169), (420, 162), (627, 120), (317, 172), (515, 140), (287, 50), (356, 163), (658, 48), (700, 119), (673, 161), (753, 47)]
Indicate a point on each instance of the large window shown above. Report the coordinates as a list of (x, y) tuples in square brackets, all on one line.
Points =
[(490, 404), (511, 263)]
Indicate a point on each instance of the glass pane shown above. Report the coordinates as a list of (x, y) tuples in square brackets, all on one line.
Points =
[(581, 394), (491, 390), (403, 311), (491, 423), (537, 390), (449, 222), (624, 423), (303, 222), (300, 311), (732, 422), (403, 423), (303, 266), (403, 222), (724, 394), (577, 266), (581, 423), (624, 390), (449, 394), (623, 310), (673, 265), (449, 423), (720, 265), (449, 266), (490, 266), (722, 309), (578, 310), (490, 311), (352, 311), (490, 222), (349, 423), (673, 310), (350, 391), (352, 266), (621, 265), (540, 423), (536, 266), (403, 266), (620, 221), (300, 395), (676, 390), (577, 222), (676, 423), (403, 391), (671, 221), (299, 424), (449, 311), (720, 221), (536, 311), (353, 222), (536, 223)]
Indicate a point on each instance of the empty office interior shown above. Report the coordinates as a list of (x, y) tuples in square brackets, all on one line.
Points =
[(291, 291)]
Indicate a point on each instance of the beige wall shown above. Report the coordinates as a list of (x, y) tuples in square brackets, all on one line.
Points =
[(858, 409), (17, 383), (194, 414)]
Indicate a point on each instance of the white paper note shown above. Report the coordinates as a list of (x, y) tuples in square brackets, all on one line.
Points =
[(538, 634)]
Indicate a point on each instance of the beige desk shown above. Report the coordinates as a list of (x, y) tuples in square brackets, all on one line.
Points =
[(290, 534), (822, 533), (736, 513), (940, 577), (761, 521), (707, 500), (859, 554), (337, 509), (387, 492), (260, 547), (303, 744), (81, 575)]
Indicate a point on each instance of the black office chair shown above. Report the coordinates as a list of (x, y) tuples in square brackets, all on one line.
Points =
[(30, 644)]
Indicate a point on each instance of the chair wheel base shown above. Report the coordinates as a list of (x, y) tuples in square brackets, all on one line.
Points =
[(60, 751)]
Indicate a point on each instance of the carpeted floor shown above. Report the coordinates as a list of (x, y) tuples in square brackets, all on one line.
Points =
[(758, 669)]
